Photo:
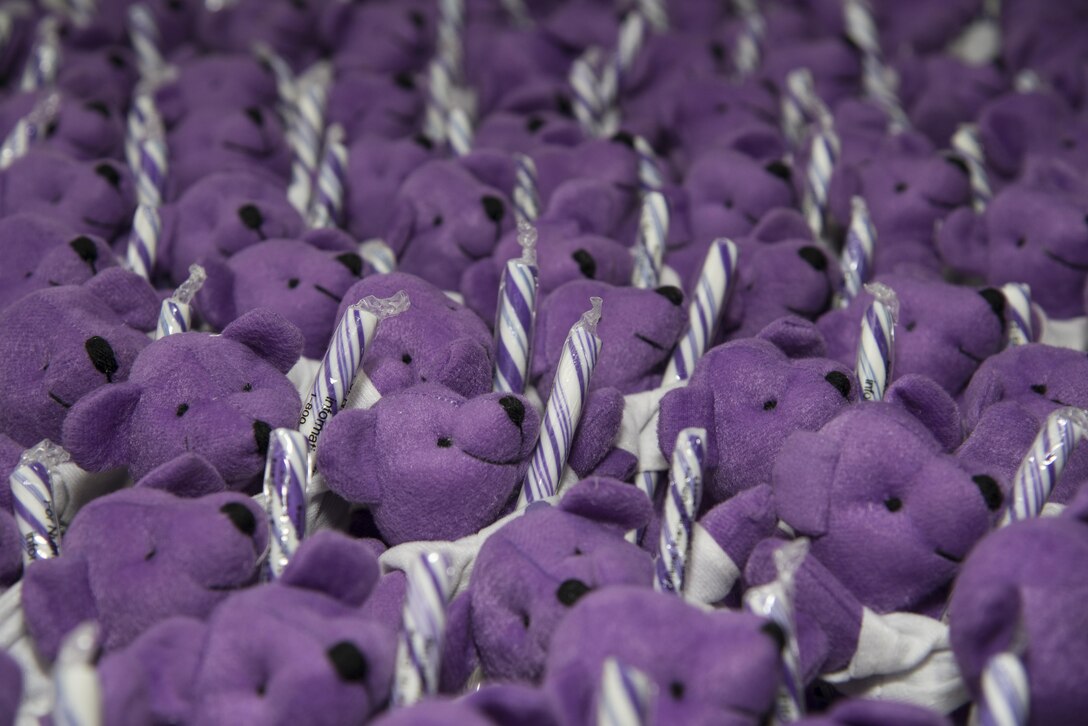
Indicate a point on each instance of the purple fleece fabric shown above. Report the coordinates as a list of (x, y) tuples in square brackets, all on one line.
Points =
[(84, 130)]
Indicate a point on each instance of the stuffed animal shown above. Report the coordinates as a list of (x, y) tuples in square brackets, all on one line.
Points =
[(84, 130), (295, 649), (750, 395), (375, 105), (303, 280), (939, 92), (218, 396), (705, 667), (11, 688), (944, 331), (106, 73), (96, 197), (220, 215), (1018, 592), (291, 29), (95, 332), (227, 81), (428, 463), (531, 571), (44, 253), (386, 37), (376, 169), (494, 704), (874, 712), (139, 556)]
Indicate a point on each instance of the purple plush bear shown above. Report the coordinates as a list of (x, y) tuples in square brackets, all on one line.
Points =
[(84, 130), (228, 82)]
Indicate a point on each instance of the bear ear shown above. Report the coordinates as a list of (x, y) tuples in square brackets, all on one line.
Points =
[(796, 337), (269, 335), (802, 479), (336, 565), (593, 205), (128, 295), (215, 301), (97, 428), (608, 501), (924, 399), (330, 239), (683, 408), (189, 475), (962, 242), (597, 429), (459, 656), (781, 224), (989, 627), (1050, 174), (56, 597)]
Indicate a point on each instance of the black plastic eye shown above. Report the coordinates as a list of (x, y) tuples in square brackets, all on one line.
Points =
[(111, 175), (98, 107), (995, 300), (909, 327), (437, 221), (351, 261), (991, 492), (182, 408), (676, 690), (445, 442), (102, 357), (671, 293), (1021, 241), (900, 187), (717, 50), (255, 115), (525, 620), (894, 504), (405, 81), (292, 283), (348, 662), (1039, 388), (150, 555), (770, 404), (571, 591), (586, 264), (840, 381), (814, 256), (534, 124), (247, 387), (728, 204), (406, 359), (493, 208)]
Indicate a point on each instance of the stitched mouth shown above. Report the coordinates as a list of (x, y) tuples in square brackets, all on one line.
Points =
[(1059, 402), (652, 343), (96, 223), (59, 400), (329, 293), (975, 358), (261, 153), (950, 557), (1082, 267)]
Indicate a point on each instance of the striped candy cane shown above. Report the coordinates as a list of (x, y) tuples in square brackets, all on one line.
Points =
[(1006, 698), (624, 696), (801, 105), (329, 200), (176, 313), (76, 686), (681, 509), (419, 653), (517, 311), (519, 13), (774, 601), (143, 33), (28, 129), (287, 473), (1018, 327), (704, 313), (459, 131), (876, 345), (655, 12), (589, 104), (378, 255), (151, 169), (650, 176), (857, 254), (305, 135), (967, 143), (143, 121), (332, 383), (748, 52), (564, 409), (1044, 462), (526, 197), (44, 58), (649, 251), (877, 79), (32, 484), (823, 153), (451, 28), (143, 241), (439, 102)]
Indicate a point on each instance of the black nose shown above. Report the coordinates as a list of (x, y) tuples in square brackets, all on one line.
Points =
[(351, 261), (405, 81), (780, 169), (98, 107), (493, 208), (261, 432), (571, 591), (514, 408), (586, 264), (240, 516), (774, 631), (111, 175), (814, 257), (625, 138), (995, 300), (991, 492), (670, 293), (86, 250), (255, 115), (102, 357), (250, 216), (840, 381), (348, 662)]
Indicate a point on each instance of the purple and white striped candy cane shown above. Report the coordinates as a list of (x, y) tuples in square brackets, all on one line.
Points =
[(877, 79), (44, 58), (823, 155), (287, 473), (564, 409), (1018, 327), (681, 508), (649, 251), (28, 129), (378, 255), (775, 601), (748, 52), (650, 176), (655, 12), (151, 168), (459, 131), (32, 484), (176, 313), (143, 241), (1006, 697), (439, 102), (589, 105), (1045, 461), (332, 383), (526, 196), (705, 311), (419, 653), (143, 120), (876, 345), (624, 696), (967, 143), (857, 254), (800, 105), (76, 685), (329, 201), (143, 33), (517, 312), (305, 132), (451, 27)]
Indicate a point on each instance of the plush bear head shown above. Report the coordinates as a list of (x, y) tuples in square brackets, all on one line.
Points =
[(928, 26), (218, 396), (84, 130), (220, 215), (1019, 592), (750, 395), (939, 91), (376, 169), (428, 463), (531, 571), (638, 331), (217, 140), (1018, 126), (445, 219), (706, 667), (295, 278), (944, 331), (1040, 378), (384, 37), (223, 81), (375, 104), (435, 340), (105, 73), (138, 556), (290, 29), (96, 197), (95, 332), (44, 253), (297, 649), (834, 63)]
